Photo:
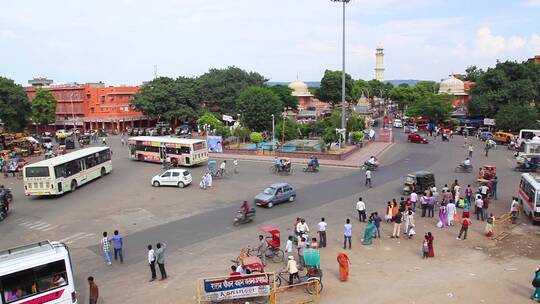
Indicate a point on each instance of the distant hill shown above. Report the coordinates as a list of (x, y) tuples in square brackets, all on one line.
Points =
[(316, 84)]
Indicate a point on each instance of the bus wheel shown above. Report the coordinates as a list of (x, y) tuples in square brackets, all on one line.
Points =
[(103, 172), (73, 185), (140, 157)]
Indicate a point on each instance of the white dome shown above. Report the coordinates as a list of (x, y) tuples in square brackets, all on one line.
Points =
[(452, 85), (299, 88)]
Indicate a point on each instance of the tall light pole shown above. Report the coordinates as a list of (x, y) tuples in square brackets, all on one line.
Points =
[(273, 136), (343, 103)]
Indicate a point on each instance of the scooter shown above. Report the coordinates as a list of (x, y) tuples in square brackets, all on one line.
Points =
[(463, 169), (240, 219), (313, 169), (370, 166)]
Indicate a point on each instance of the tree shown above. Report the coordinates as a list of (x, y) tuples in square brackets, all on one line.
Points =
[(43, 107), (256, 138), (331, 87), (473, 73), (210, 120), (169, 99), (256, 105), (15, 108), (515, 118), (357, 137), (291, 129), (221, 88), (436, 107), (284, 93), (330, 135), (508, 83)]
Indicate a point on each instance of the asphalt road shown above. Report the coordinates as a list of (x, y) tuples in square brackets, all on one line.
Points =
[(216, 222)]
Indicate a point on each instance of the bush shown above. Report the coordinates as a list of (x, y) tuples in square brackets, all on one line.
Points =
[(357, 137), (291, 129), (256, 138), (242, 133)]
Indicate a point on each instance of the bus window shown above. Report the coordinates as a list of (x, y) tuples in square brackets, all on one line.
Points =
[(185, 150), (60, 171), (18, 285), (37, 172)]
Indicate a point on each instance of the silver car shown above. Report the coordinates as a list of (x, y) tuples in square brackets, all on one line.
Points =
[(275, 194)]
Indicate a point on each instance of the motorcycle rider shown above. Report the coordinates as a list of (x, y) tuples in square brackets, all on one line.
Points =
[(245, 209), (372, 162), (466, 163)]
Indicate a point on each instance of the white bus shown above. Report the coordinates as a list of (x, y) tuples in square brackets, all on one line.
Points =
[(37, 273), (185, 152), (65, 173), (529, 195), (526, 135)]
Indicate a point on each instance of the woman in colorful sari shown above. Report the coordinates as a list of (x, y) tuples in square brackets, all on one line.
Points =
[(369, 233), (430, 239), (443, 217), (344, 262)]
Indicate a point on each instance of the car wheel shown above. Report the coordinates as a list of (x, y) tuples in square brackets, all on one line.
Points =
[(156, 184), (181, 185), (291, 199), (270, 205)]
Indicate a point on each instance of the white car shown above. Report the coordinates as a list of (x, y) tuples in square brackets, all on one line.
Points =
[(173, 177), (398, 123)]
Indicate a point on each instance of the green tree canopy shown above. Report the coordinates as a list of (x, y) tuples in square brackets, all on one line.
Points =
[(256, 138), (169, 99), (437, 107), (15, 108), (220, 88), (210, 119), (515, 118), (330, 89), (256, 105), (289, 126), (473, 73), (284, 93), (508, 83), (43, 107)]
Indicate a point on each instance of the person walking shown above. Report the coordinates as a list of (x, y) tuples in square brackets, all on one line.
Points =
[(468, 193), (486, 149), (485, 207), (430, 205), (424, 204), (361, 208), (397, 224), (152, 262), (494, 183), (451, 212), (160, 259), (106, 247), (409, 221), (235, 164), (465, 223), (536, 284), (388, 213), (122, 141), (368, 178), (430, 239), (425, 247), (118, 244), (347, 233), (414, 199), (471, 149), (261, 249), (93, 291), (288, 247), (377, 220), (300, 247), (478, 204), (344, 264), (322, 233)]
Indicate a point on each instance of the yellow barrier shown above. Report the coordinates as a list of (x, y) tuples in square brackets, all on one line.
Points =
[(502, 226)]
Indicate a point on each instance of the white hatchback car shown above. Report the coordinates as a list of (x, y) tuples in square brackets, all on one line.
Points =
[(173, 177), (398, 123)]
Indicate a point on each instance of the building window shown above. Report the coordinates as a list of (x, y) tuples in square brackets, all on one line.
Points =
[(91, 110), (102, 98)]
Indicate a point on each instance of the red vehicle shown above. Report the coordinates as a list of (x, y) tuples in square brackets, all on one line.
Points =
[(417, 138)]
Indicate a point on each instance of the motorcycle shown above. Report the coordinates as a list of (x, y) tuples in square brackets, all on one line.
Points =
[(463, 169), (241, 219), (3, 211), (370, 166), (313, 169)]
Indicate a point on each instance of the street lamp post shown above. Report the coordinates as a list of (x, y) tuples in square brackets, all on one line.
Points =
[(273, 136), (343, 103)]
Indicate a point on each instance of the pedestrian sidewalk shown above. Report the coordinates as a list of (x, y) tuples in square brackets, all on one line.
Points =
[(354, 161)]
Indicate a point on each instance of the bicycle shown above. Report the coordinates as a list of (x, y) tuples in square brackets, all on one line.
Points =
[(314, 284), (275, 254)]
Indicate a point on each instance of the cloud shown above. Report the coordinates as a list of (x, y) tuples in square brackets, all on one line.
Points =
[(532, 3), (8, 34)]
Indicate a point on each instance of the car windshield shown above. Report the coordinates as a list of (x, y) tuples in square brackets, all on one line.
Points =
[(269, 191)]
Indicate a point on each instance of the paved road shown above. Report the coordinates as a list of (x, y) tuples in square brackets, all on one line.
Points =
[(217, 222)]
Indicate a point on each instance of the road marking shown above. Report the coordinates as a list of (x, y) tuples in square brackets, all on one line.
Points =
[(80, 237), (71, 237), (50, 228), (29, 224), (40, 226)]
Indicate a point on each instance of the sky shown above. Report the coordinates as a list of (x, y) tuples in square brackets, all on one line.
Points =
[(120, 41)]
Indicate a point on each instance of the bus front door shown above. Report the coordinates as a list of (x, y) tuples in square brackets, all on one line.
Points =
[(84, 173), (162, 153)]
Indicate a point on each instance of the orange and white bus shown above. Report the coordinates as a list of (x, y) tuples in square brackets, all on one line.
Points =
[(529, 195), (186, 152), (37, 273)]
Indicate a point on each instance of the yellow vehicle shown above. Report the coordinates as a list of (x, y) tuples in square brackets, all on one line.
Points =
[(503, 137)]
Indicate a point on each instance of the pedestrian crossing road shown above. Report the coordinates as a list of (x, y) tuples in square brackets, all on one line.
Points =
[(42, 226)]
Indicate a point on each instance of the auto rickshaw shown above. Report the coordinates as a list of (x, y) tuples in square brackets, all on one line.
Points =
[(527, 163), (285, 166), (418, 182), (486, 174)]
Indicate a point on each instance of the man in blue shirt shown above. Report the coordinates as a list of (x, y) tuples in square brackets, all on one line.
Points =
[(117, 242)]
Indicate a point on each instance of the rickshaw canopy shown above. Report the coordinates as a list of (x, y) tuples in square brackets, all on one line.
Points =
[(312, 257), (269, 229)]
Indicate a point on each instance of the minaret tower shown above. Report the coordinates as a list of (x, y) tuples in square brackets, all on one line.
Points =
[(379, 64)]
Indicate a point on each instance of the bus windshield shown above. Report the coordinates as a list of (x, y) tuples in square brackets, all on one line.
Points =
[(37, 171)]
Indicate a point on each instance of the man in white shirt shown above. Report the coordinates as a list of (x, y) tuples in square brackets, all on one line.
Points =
[(222, 167), (414, 199), (484, 190), (514, 209), (288, 247), (302, 227), (152, 262), (322, 233), (478, 204), (368, 178), (361, 208)]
